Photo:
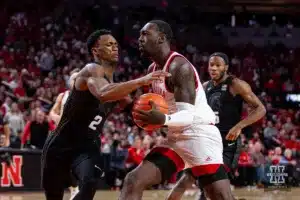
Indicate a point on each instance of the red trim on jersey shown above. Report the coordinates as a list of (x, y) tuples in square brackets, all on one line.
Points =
[(154, 66), (168, 66), (151, 68), (172, 155), (205, 169)]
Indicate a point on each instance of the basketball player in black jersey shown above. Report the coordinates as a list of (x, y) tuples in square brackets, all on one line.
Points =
[(225, 95), (75, 144)]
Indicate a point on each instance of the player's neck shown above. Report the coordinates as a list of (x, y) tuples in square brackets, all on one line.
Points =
[(109, 68), (221, 80), (162, 56)]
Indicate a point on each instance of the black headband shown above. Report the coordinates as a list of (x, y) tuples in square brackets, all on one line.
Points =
[(222, 55)]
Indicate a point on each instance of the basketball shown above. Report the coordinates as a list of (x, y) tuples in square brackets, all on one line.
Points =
[(143, 103)]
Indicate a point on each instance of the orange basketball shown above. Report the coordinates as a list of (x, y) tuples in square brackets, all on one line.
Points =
[(143, 103)]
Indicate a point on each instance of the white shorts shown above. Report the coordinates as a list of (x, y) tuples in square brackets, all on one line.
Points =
[(198, 147)]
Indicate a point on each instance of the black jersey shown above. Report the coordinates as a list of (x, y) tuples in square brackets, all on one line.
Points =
[(83, 117), (228, 108)]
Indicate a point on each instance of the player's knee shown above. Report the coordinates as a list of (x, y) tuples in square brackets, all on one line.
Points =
[(133, 181), (187, 181)]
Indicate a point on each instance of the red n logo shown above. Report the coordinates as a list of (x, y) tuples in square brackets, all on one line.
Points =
[(13, 173)]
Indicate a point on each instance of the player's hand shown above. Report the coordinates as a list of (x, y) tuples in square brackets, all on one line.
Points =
[(233, 133), (153, 116), (154, 76)]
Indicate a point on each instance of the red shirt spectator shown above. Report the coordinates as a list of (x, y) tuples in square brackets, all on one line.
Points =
[(37, 131), (136, 153)]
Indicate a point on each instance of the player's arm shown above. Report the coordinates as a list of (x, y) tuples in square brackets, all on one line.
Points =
[(258, 110), (183, 81), (107, 92), (6, 131), (55, 111)]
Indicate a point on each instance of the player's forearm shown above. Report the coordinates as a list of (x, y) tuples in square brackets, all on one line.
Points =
[(117, 91), (7, 135), (55, 117), (253, 117), (184, 116)]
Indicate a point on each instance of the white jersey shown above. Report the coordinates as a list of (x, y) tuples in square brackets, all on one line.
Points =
[(199, 144), (64, 100), (204, 114)]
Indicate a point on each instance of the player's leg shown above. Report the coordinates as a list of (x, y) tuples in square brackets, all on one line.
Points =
[(53, 172), (230, 156), (53, 178), (214, 181), (185, 182), (73, 186), (158, 166), (87, 173)]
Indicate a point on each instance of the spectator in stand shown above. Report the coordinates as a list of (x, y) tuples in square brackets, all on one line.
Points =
[(47, 62), (36, 132), (6, 106), (276, 158), (117, 163), (270, 133), (288, 126), (246, 171), (136, 154), (147, 144), (292, 143), (15, 120), (4, 130), (259, 163), (290, 164)]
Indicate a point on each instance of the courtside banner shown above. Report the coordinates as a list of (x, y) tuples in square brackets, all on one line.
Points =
[(20, 170)]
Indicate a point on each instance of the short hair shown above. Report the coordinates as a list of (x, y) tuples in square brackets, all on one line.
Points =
[(164, 27), (222, 55), (93, 37)]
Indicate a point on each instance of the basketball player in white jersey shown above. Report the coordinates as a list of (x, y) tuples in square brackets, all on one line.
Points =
[(194, 141), (55, 115)]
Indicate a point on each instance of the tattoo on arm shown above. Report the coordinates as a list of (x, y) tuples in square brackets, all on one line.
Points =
[(183, 80)]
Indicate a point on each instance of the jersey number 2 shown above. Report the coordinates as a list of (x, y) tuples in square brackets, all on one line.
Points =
[(97, 120), (217, 117)]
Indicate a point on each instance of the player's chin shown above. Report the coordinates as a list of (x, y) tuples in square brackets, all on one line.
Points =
[(114, 60), (215, 77)]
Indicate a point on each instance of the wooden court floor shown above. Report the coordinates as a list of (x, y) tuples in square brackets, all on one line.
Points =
[(294, 194)]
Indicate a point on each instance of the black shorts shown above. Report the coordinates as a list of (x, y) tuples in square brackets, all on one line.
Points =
[(59, 165), (231, 153)]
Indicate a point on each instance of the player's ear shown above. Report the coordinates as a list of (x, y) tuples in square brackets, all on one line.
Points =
[(94, 51), (161, 38), (226, 68)]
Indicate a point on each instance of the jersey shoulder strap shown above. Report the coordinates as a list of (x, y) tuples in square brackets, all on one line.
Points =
[(208, 86)]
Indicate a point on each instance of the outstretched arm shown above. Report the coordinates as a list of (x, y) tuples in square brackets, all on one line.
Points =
[(107, 92)]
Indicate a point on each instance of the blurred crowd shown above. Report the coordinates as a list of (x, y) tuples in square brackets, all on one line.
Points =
[(38, 52)]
